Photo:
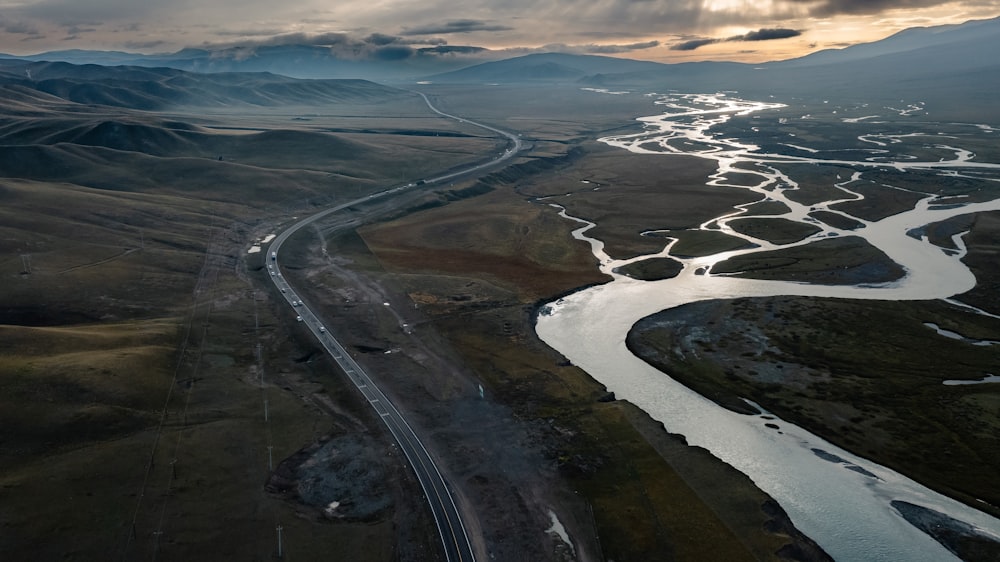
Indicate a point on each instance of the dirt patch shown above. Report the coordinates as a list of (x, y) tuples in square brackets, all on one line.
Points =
[(341, 477)]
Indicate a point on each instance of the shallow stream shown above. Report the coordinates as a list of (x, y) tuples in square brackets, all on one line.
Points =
[(840, 500)]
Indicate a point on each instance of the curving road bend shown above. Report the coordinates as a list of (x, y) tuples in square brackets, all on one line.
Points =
[(454, 538)]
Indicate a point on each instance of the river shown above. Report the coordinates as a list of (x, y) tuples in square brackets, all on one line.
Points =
[(839, 499)]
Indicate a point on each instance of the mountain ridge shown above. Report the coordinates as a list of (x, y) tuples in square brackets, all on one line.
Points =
[(472, 64), (150, 88)]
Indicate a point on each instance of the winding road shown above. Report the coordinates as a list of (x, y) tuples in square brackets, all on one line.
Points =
[(454, 538)]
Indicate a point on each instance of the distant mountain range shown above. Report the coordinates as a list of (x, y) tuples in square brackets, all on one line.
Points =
[(297, 61), (157, 88), (944, 65), (950, 48)]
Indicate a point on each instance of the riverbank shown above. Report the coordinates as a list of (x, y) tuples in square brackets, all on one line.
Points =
[(608, 470), (834, 495), (833, 367)]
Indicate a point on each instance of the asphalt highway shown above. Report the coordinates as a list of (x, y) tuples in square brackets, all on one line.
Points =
[(449, 521)]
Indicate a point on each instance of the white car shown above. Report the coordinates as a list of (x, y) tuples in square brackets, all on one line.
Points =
[(322, 329), (298, 318)]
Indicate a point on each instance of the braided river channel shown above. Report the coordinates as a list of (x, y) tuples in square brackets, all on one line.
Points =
[(841, 500)]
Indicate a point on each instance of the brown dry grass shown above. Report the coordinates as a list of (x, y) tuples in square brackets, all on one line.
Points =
[(127, 250), (866, 375), (472, 266), (517, 244), (841, 260), (628, 194)]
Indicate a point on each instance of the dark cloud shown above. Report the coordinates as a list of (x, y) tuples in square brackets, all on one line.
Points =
[(386, 39), (77, 30), (597, 26), (767, 34), (284, 39), (382, 39), (827, 8), (374, 46), (454, 26), (18, 28), (693, 44), (452, 50), (263, 32), (331, 39), (585, 49)]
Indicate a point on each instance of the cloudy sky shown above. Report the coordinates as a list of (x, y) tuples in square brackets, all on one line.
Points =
[(662, 30)]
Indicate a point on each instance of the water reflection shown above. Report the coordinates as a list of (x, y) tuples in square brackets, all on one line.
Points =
[(844, 505)]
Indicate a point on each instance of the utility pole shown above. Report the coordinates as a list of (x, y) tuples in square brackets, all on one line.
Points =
[(269, 463), (156, 543), (278, 528), (265, 409), (26, 263)]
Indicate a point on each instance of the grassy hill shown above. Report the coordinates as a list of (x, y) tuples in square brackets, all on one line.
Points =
[(128, 320)]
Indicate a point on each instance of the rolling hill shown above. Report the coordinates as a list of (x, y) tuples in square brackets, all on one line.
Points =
[(159, 88), (299, 61), (548, 67)]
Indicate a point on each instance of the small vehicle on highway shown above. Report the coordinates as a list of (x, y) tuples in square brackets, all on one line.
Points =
[(322, 329)]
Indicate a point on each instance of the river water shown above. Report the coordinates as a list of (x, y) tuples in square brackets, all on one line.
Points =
[(839, 499)]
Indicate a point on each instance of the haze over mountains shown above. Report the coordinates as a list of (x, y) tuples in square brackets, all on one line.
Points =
[(298, 61), (946, 66), (964, 54), (319, 61), (155, 88)]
